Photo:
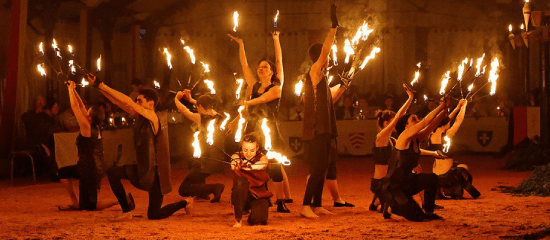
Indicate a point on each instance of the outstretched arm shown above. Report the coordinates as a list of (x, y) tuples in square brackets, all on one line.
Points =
[(459, 119), (337, 92), (316, 70), (278, 56), (195, 117), (118, 103), (385, 134), (425, 133), (248, 75), (81, 104), (80, 118), (408, 133)]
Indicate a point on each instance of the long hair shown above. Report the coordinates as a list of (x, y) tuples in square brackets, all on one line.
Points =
[(98, 115), (274, 79), (384, 116), (402, 123)]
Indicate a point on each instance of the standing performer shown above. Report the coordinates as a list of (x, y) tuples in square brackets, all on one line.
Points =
[(194, 184), (264, 103), (250, 182), (384, 147), (319, 125), (454, 178), (401, 183), (90, 167), (151, 173)]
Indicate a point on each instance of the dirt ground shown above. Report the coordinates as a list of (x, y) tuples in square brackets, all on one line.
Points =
[(29, 211)]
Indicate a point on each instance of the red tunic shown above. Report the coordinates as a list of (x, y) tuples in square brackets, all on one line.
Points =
[(257, 178)]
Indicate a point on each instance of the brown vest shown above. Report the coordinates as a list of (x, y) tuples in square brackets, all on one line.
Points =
[(319, 115), (257, 179)]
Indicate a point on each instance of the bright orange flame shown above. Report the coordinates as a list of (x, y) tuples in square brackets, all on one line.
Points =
[(444, 82), (510, 28), (41, 69), (478, 65), (493, 75), (191, 53), (224, 123), (415, 80), (210, 134), (41, 48), (267, 137), (461, 69), (70, 48), (447, 144), (276, 17), (206, 67), (279, 157), (238, 134), (157, 85), (348, 49), (298, 88), (362, 33), (334, 56), (369, 57), (196, 145), (168, 58), (84, 83), (235, 21), (240, 81), (98, 63), (210, 85)]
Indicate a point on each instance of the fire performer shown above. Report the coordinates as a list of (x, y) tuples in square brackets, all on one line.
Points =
[(250, 182), (194, 184), (454, 178), (384, 147), (91, 166), (319, 130), (151, 173), (400, 183), (264, 103)]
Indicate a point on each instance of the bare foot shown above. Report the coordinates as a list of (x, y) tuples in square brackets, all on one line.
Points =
[(238, 224), (124, 217), (190, 205), (307, 212), (321, 211)]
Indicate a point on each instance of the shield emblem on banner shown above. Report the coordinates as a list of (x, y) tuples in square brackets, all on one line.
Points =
[(357, 139), (484, 137), (295, 143)]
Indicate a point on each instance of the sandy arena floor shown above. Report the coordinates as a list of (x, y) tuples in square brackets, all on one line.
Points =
[(29, 211)]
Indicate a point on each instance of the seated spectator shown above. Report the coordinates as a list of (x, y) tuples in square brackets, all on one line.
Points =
[(345, 112), (47, 124), (363, 111), (389, 104), (297, 111), (505, 105), (373, 97), (29, 120)]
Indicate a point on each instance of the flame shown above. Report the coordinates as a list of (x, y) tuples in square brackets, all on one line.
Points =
[(484, 67), (461, 69), (510, 27), (425, 98), (415, 80), (238, 134), (182, 41), (84, 83), (190, 52), (362, 33), (478, 65), (444, 82), (196, 145), (98, 63), (235, 21), (157, 84), (522, 26), (493, 75), (210, 134), (330, 79), (276, 17), (348, 49), (470, 87), (419, 65), (471, 62), (370, 56), (267, 137), (206, 67), (238, 93), (41, 48), (210, 85), (168, 58), (279, 157), (41, 69), (71, 65), (56, 49), (222, 126), (123, 119), (334, 56), (298, 88), (70, 49), (447, 144)]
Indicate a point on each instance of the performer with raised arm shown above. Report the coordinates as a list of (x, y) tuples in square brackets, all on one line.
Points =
[(454, 178), (319, 126), (151, 172), (250, 182), (194, 184), (384, 147), (91, 166), (264, 103), (400, 183)]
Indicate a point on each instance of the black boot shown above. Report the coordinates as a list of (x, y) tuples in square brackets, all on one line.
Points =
[(281, 206), (218, 190)]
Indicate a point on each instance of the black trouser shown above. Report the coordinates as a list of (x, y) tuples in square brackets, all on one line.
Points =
[(318, 154), (243, 200), (275, 171), (429, 182), (194, 184), (88, 184), (155, 209)]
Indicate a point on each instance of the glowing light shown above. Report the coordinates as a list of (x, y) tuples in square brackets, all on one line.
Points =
[(56, 49), (470, 87), (348, 50), (191, 53), (157, 84), (224, 123), (298, 88), (84, 83), (493, 75), (196, 145), (522, 27), (510, 27), (334, 56), (278, 157), (370, 56), (70, 49), (425, 98), (71, 66), (266, 131), (210, 85), (275, 20), (240, 81), (182, 41), (98, 63), (416, 75), (362, 33), (210, 134), (447, 144), (238, 134), (330, 79), (41, 69), (461, 69), (235, 21), (41, 48), (206, 67), (168, 58), (444, 82), (478, 66)]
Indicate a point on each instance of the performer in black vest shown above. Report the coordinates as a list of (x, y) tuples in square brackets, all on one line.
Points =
[(384, 147), (264, 98), (454, 178), (91, 166), (400, 183), (249, 191), (151, 173), (194, 184)]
